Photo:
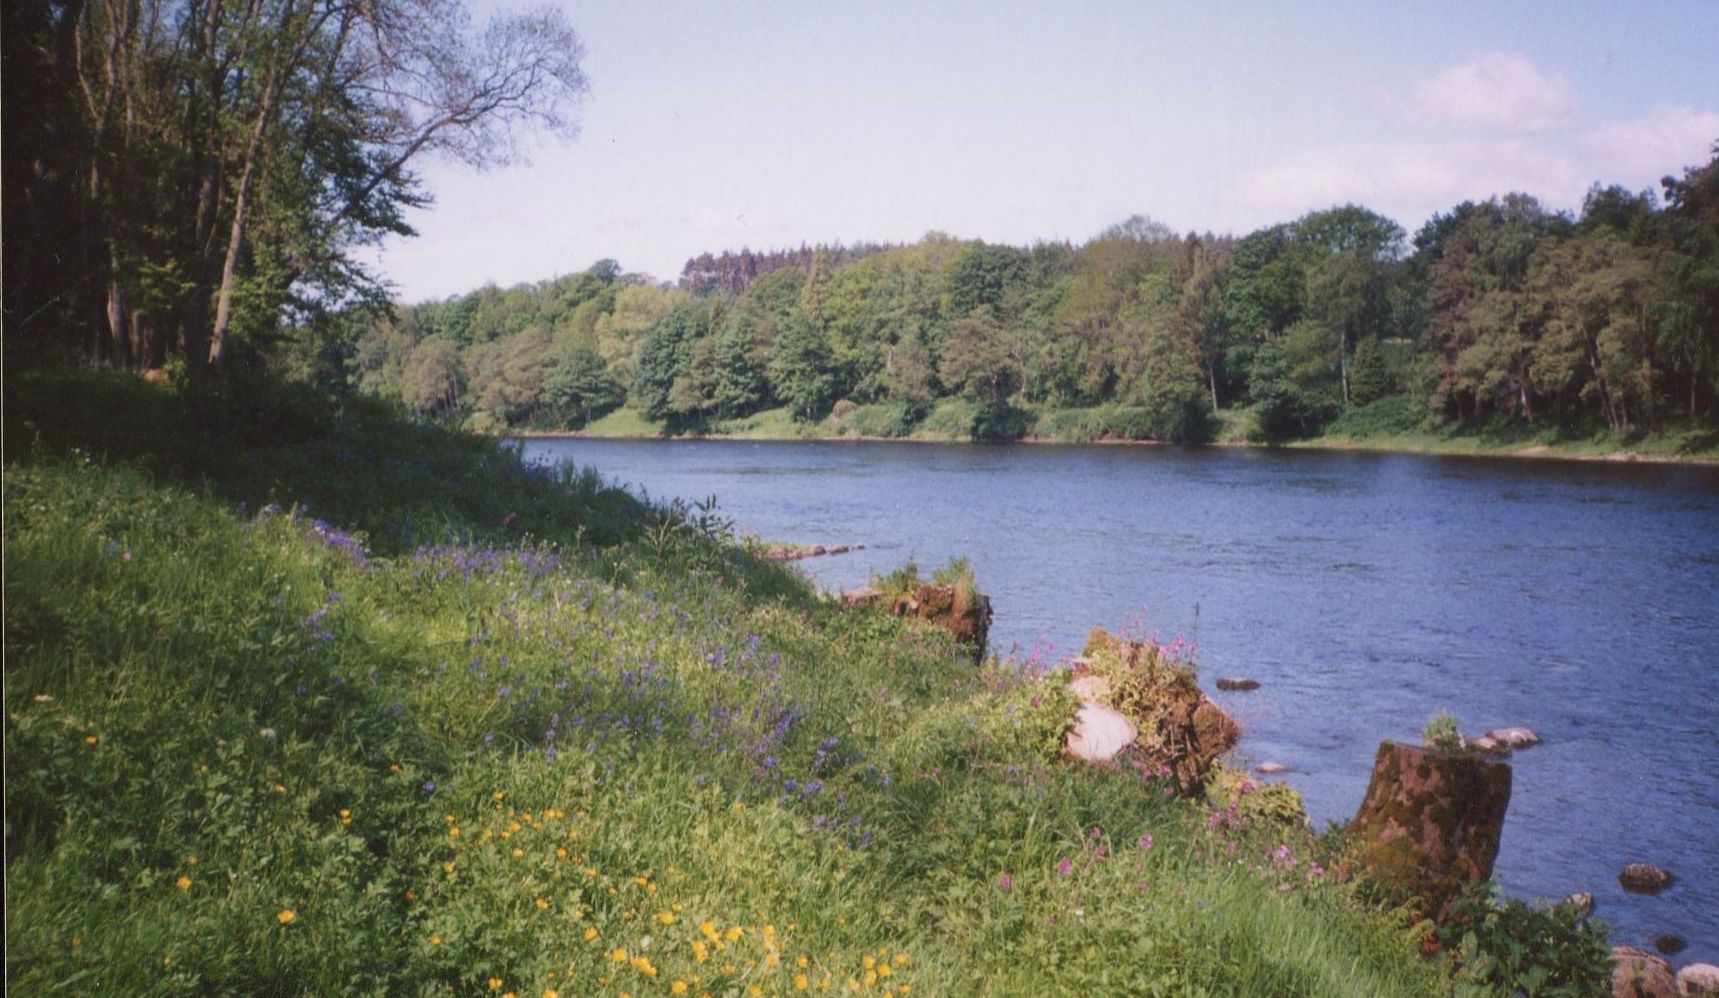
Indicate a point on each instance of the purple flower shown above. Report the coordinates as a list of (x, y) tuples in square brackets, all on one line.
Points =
[(1096, 832), (1005, 882), (1064, 866), (429, 786)]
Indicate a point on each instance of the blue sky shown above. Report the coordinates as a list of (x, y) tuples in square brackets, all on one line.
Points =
[(717, 125)]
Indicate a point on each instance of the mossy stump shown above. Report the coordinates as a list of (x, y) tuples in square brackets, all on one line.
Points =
[(1430, 822), (1180, 728), (961, 610)]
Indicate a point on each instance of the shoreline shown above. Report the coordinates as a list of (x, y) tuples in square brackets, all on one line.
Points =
[(1529, 452)]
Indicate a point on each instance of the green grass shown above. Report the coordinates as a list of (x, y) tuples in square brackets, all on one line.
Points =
[(451, 764), (623, 422)]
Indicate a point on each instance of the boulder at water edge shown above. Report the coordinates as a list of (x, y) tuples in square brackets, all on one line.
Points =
[(1643, 878), (1699, 980), (1430, 822), (1514, 738), (1639, 974), (1238, 684), (1180, 728)]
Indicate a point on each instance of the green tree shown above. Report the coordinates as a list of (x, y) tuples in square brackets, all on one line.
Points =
[(801, 370), (1369, 379), (580, 388)]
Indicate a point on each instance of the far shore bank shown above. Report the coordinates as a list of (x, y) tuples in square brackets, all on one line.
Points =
[(1429, 448)]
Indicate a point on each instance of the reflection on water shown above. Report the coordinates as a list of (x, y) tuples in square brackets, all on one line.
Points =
[(1363, 591)]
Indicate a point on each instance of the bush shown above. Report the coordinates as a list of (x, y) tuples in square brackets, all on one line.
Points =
[(880, 419), (1518, 949)]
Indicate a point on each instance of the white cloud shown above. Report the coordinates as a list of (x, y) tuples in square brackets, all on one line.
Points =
[(1665, 141), (1409, 181), (1498, 92)]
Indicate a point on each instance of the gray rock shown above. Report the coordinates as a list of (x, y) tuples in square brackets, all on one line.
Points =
[(1639, 974), (1514, 737), (1099, 734), (1643, 878), (1582, 901), (1237, 683), (1272, 768), (1699, 980), (1489, 745), (1669, 943)]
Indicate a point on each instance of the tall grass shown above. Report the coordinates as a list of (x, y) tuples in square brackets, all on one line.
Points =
[(413, 746)]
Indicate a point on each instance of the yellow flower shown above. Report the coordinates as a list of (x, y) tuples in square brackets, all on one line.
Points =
[(699, 952), (550, 993), (560, 852), (448, 868), (754, 991), (192, 860), (411, 895), (345, 816), (708, 928), (667, 918), (870, 978), (91, 739), (618, 955), (286, 916), (495, 984), (678, 987), (734, 932), (541, 904), (677, 907), (454, 832), (883, 970), (800, 961), (393, 767), (498, 795), (280, 788), (901, 959), (868, 962), (590, 933), (183, 883), (800, 982), (435, 940)]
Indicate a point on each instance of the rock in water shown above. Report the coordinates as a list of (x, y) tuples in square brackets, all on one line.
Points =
[(1099, 734), (1669, 943), (1271, 768), (1430, 822), (1515, 738), (1699, 980), (1235, 683), (1639, 974), (1643, 878), (1582, 901)]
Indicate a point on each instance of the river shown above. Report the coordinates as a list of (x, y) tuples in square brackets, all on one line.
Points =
[(1363, 591)]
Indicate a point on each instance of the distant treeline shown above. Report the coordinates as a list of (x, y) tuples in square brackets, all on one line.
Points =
[(1497, 311)]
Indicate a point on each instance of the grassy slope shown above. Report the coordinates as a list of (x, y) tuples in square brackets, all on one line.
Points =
[(581, 746)]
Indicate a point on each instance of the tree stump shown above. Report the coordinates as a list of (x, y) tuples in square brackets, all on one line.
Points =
[(1430, 822)]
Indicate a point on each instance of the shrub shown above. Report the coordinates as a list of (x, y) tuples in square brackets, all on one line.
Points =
[(1515, 948), (1441, 733)]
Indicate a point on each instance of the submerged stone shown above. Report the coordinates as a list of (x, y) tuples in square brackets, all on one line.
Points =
[(1643, 878)]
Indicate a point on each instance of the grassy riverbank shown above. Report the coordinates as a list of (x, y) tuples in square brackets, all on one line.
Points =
[(302, 698), (1388, 426)]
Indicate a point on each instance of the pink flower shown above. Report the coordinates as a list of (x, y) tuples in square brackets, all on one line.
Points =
[(1095, 832), (1064, 866), (1005, 882), (1145, 841)]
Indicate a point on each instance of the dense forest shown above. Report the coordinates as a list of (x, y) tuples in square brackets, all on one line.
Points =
[(1494, 312), (186, 182)]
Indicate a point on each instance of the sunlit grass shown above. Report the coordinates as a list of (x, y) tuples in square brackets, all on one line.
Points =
[(251, 752)]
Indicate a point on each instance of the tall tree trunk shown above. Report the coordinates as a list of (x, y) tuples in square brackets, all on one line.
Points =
[(236, 237)]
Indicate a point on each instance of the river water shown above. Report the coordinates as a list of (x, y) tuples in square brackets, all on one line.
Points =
[(1363, 591)]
